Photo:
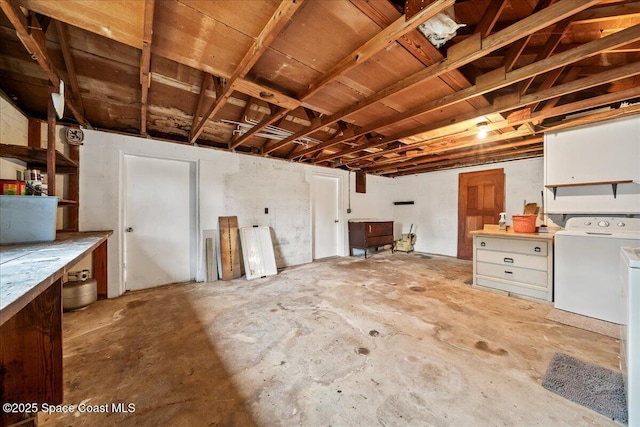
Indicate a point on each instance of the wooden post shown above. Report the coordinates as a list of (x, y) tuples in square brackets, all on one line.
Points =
[(51, 145), (73, 191), (99, 257)]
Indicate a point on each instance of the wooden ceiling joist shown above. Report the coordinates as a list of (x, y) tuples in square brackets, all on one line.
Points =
[(69, 64), (463, 53), (518, 102), (506, 79), (145, 62), (35, 45), (206, 83), (490, 17), (276, 24), (394, 31)]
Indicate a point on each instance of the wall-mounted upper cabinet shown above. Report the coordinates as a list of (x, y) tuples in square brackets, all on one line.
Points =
[(594, 168)]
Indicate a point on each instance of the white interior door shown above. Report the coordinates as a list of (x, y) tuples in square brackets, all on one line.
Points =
[(159, 222), (325, 191)]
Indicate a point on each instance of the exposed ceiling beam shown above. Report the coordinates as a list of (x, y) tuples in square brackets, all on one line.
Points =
[(558, 32), (277, 113), (502, 105), (69, 63), (397, 29), (474, 159), (274, 26), (458, 55), (490, 17), (517, 48), (374, 45), (145, 62), (35, 45), (488, 148), (205, 84), (498, 79)]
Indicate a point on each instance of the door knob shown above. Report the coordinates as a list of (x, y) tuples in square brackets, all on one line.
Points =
[(336, 220), (128, 229)]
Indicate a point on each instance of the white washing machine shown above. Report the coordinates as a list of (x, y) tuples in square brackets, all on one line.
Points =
[(630, 342), (586, 267)]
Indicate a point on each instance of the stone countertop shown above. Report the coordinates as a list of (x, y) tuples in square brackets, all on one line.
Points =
[(26, 270), (493, 230)]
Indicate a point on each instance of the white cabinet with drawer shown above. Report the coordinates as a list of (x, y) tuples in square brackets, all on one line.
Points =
[(516, 264)]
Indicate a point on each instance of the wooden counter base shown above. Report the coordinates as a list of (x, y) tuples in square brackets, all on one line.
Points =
[(31, 315)]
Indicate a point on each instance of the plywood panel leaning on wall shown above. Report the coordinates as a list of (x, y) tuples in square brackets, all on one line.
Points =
[(229, 247)]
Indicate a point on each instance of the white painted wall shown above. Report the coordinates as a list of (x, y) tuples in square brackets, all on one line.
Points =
[(435, 213), (228, 184)]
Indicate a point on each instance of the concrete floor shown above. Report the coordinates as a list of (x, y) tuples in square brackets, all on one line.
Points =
[(397, 339)]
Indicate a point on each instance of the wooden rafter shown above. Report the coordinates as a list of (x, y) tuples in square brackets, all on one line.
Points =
[(498, 79), (559, 30), (69, 64), (474, 159), (502, 106), (145, 62), (276, 24), (484, 148), (517, 118), (33, 39), (490, 17), (205, 84), (463, 53), (516, 49), (277, 113), (390, 34), (394, 31)]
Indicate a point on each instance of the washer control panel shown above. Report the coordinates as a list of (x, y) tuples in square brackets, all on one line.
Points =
[(611, 224)]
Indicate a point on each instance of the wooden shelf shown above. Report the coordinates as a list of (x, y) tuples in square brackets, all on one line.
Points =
[(36, 158), (64, 202), (613, 184)]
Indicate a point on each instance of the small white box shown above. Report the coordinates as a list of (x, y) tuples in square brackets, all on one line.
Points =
[(27, 219)]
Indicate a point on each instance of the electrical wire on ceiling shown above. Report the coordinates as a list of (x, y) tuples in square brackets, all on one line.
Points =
[(269, 132)]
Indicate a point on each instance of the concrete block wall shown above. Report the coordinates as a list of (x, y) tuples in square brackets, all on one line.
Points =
[(228, 184)]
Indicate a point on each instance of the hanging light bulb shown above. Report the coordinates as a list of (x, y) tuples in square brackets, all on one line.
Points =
[(482, 129)]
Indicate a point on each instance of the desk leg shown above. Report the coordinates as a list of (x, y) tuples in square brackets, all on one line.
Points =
[(100, 269), (31, 353)]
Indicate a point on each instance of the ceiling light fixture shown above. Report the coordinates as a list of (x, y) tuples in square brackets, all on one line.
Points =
[(482, 129)]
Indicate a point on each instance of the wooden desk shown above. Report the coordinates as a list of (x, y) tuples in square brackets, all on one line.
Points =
[(31, 314)]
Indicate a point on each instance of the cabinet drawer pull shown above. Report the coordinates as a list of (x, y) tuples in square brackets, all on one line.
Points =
[(508, 272), (509, 260), (483, 244), (537, 249)]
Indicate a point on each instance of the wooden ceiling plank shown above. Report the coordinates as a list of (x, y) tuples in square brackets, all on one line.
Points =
[(396, 30), (529, 25), (559, 31), (543, 66), (24, 30), (516, 49), (490, 17), (145, 62), (603, 13), (69, 63), (433, 158), (426, 53), (577, 85), (276, 24), (374, 45), (474, 160)]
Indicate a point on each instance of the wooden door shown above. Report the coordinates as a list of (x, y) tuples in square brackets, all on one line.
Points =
[(480, 201), (325, 192)]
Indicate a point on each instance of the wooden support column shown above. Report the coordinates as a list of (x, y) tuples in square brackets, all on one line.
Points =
[(34, 135), (51, 146), (73, 191)]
